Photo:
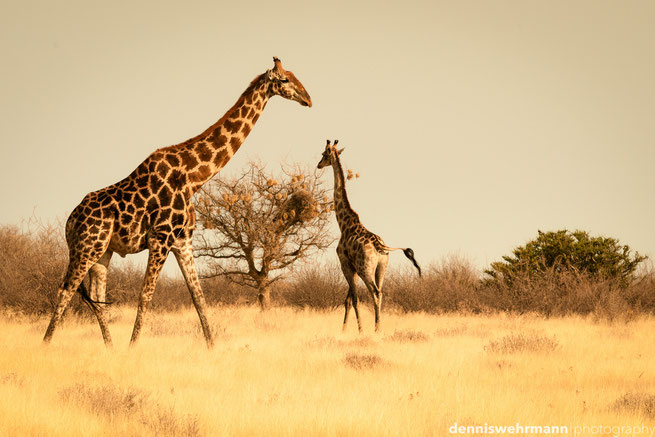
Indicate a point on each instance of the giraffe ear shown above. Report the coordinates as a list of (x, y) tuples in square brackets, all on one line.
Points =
[(339, 151)]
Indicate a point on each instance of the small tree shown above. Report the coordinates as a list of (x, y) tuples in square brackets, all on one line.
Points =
[(253, 227), (565, 251)]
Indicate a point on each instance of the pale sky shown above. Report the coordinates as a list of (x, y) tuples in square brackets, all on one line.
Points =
[(472, 123)]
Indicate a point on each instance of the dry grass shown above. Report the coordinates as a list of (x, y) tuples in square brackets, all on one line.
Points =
[(290, 372), (116, 404), (637, 403), (408, 336), (34, 258), (362, 361), (522, 342)]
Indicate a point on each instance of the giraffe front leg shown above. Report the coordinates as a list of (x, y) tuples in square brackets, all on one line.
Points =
[(156, 257), (184, 255)]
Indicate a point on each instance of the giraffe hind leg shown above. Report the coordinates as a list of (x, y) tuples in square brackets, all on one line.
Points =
[(380, 271), (376, 295), (351, 301), (75, 273), (63, 299)]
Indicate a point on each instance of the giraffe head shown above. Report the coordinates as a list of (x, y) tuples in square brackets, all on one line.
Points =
[(330, 155), (284, 83)]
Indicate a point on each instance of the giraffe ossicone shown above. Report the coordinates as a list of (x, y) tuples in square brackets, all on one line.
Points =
[(361, 253), (151, 208)]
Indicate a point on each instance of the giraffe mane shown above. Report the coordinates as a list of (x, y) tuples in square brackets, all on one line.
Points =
[(229, 112)]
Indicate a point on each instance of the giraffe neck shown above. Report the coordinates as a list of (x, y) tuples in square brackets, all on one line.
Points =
[(204, 155), (345, 214)]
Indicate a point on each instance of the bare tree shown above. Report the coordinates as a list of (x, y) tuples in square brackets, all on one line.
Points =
[(254, 227)]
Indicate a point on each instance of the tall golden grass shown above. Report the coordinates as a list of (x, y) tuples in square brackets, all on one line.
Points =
[(293, 372)]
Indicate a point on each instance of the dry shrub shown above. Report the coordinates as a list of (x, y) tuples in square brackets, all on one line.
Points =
[(171, 294), (107, 400), (362, 361), (450, 332), (164, 421), (159, 325), (317, 287), (12, 379), (408, 336), (640, 294), (220, 291), (445, 287), (359, 342), (522, 343), (34, 258), (323, 342), (455, 286), (550, 293), (553, 293), (111, 402), (636, 403)]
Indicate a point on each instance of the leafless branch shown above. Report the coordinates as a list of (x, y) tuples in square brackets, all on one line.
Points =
[(257, 223)]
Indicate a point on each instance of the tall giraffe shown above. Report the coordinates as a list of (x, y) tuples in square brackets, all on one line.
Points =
[(151, 208), (361, 252)]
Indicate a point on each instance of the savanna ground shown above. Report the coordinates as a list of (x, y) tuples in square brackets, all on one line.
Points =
[(293, 372), (562, 349)]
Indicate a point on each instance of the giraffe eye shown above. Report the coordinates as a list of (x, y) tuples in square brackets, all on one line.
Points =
[(284, 80)]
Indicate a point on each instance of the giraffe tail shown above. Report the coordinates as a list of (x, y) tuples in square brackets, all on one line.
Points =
[(93, 304), (409, 253)]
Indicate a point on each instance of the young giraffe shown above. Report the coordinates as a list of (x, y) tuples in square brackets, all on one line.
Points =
[(151, 208), (360, 251)]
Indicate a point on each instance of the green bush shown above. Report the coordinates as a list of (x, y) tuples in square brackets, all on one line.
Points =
[(565, 251)]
